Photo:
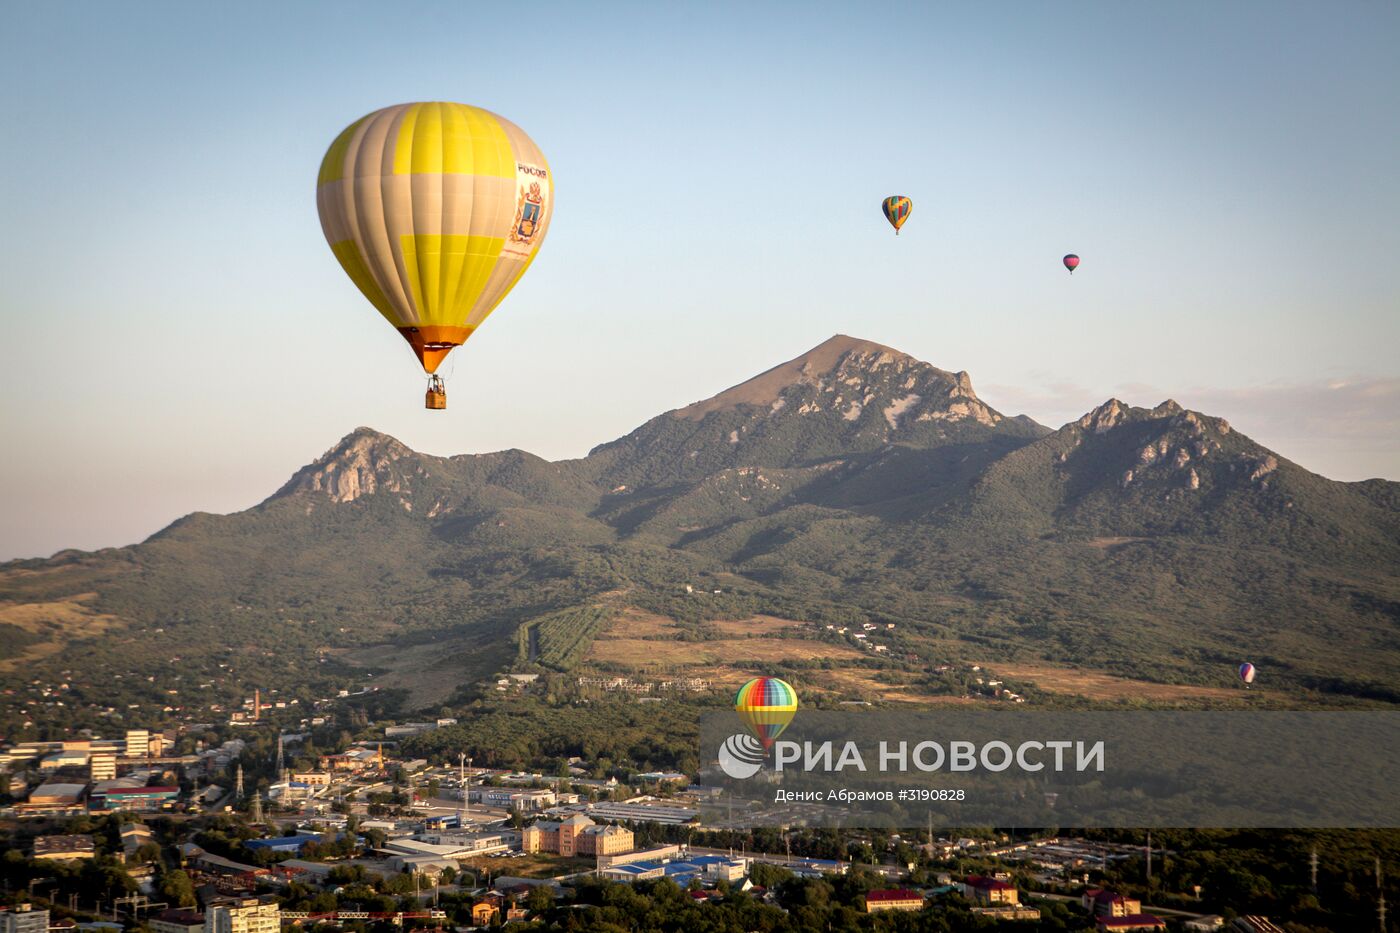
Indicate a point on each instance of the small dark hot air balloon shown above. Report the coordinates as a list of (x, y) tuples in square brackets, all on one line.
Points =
[(897, 208), (1247, 674), (1071, 263)]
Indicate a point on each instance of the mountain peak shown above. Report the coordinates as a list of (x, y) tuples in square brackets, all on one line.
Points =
[(1180, 448), (1115, 412), (844, 396), (364, 441), (838, 344), (1105, 417), (360, 463), (837, 353), (367, 431), (1169, 407)]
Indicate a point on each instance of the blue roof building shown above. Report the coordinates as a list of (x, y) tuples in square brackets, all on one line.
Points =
[(703, 867), (282, 843)]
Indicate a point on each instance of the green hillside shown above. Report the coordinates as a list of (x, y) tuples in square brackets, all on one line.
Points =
[(851, 484)]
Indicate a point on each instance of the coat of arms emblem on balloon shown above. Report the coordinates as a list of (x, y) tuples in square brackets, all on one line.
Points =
[(527, 213)]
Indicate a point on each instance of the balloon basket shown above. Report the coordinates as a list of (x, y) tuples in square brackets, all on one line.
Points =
[(435, 399)]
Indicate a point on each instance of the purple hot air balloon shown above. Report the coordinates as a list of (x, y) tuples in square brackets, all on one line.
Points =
[(1247, 674)]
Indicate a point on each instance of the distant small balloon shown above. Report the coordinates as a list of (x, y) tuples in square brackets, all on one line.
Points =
[(897, 208), (1247, 673), (1071, 263)]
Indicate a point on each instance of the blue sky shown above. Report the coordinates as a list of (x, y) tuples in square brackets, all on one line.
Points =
[(177, 336)]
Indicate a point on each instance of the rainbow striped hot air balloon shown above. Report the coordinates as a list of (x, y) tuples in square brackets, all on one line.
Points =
[(766, 705), (897, 208)]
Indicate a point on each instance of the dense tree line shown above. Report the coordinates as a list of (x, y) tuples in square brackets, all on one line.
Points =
[(614, 735)]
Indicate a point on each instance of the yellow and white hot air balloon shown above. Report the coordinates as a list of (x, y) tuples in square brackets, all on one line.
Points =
[(435, 211)]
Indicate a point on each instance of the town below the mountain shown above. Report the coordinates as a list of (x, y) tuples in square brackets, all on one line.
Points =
[(273, 820)]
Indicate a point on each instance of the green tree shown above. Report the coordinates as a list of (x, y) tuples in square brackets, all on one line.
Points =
[(540, 898), (146, 852), (177, 888)]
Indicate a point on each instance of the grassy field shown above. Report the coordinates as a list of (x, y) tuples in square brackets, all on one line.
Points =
[(52, 623), (431, 672), (1096, 686), (646, 654), (635, 623), (860, 683), (753, 626), (638, 623), (650, 642), (538, 865)]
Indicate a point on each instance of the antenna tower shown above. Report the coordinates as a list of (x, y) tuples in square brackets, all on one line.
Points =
[(462, 783), (1380, 903)]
